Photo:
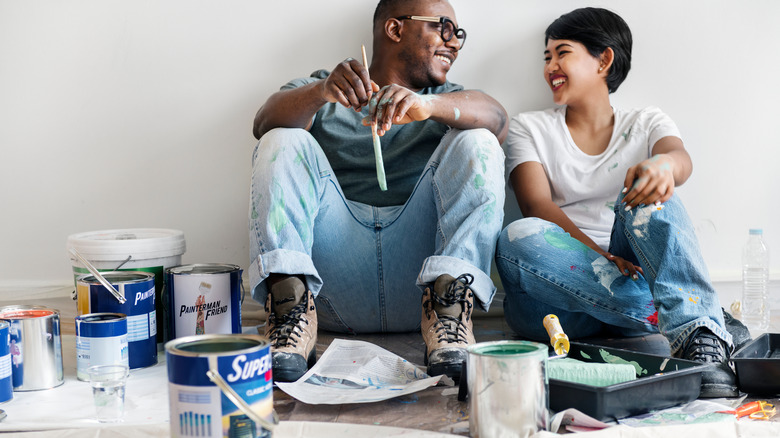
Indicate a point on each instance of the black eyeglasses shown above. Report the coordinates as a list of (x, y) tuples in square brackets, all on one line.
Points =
[(448, 29)]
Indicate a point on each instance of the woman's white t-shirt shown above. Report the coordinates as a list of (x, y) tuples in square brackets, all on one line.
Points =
[(585, 186)]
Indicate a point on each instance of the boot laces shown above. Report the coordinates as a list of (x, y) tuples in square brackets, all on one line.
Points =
[(287, 328), (452, 329), (703, 346)]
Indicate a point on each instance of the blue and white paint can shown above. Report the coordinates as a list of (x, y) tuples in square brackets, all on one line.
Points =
[(138, 290), (198, 407), (203, 299), (6, 383), (101, 339)]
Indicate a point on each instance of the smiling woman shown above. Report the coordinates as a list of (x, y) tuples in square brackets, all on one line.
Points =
[(605, 243)]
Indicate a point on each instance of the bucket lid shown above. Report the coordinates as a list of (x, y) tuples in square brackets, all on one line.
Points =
[(140, 243)]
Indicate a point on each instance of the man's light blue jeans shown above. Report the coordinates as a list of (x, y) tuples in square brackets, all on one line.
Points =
[(366, 265), (545, 270)]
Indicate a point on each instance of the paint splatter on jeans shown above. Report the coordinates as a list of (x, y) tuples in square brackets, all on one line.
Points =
[(545, 270), (365, 264)]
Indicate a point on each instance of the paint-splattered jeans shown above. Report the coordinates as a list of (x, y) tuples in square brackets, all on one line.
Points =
[(545, 270), (363, 263)]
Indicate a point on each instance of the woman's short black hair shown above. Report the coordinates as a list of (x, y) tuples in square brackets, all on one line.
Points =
[(597, 29)]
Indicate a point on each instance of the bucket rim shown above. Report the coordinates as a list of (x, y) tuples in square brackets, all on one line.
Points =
[(485, 348), (16, 312), (118, 244), (174, 346)]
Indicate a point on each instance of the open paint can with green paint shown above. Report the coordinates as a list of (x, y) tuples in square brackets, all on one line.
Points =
[(507, 389)]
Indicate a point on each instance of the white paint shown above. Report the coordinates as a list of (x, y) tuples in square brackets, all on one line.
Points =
[(606, 271), (119, 114)]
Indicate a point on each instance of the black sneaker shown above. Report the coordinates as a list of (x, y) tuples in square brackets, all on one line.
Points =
[(740, 334), (717, 380)]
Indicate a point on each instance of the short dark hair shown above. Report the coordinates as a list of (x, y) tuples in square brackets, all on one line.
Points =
[(597, 29)]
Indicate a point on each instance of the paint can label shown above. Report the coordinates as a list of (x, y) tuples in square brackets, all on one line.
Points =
[(6, 384), (204, 299), (197, 406), (101, 339), (138, 290)]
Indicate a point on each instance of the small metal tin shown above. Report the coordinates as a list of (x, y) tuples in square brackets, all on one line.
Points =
[(197, 406), (138, 289), (101, 339), (203, 299), (35, 345)]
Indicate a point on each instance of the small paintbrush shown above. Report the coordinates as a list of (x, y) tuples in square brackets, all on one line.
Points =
[(380, 165)]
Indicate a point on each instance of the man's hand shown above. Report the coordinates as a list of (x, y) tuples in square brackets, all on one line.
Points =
[(348, 84), (396, 105)]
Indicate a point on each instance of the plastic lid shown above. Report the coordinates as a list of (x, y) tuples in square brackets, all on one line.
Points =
[(140, 243), (756, 231)]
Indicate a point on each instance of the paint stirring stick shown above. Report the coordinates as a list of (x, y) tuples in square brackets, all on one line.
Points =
[(380, 165)]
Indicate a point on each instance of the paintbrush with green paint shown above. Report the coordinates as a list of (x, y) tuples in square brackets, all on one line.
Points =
[(380, 165)]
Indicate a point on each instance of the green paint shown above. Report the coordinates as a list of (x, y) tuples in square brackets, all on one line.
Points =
[(277, 217), (510, 348), (564, 241), (610, 358), (479, 181)]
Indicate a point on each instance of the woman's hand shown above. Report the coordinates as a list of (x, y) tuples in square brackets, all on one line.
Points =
[(649, 182), (626, 268)]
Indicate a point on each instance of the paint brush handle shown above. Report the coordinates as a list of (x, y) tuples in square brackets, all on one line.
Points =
[(380, 165)]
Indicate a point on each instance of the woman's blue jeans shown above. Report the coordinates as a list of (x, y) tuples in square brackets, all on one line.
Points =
[(545, 270), (366, 265)]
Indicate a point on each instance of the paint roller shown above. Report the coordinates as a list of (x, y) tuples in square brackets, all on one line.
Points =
[(573, 370)]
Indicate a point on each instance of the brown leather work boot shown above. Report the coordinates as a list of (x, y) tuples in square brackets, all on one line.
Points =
[(447, 325), (292, 329)]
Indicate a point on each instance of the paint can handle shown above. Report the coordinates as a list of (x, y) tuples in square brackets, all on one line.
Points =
[(97, 275), (240, 403)]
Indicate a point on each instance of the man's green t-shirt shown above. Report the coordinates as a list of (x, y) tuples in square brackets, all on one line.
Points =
[(350, 151)]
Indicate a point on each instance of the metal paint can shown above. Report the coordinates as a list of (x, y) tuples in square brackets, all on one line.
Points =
[(138, 290), (507, 389), (197, 406), (6, 382), (101, 339), (35, 346), (203, 299)]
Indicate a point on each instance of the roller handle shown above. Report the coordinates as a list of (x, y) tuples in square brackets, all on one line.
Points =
[(558, 339)]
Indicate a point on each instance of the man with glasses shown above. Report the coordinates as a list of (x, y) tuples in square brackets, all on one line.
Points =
[(320, 224)]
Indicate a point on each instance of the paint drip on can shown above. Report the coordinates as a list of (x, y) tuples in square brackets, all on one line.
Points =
[(198, 407), (101, 339), (203, 299), (138, 290)]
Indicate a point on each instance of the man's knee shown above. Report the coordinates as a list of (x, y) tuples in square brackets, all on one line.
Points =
[(279, 140)]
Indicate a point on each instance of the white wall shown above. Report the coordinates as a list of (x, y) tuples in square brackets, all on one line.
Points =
[(120, 114)]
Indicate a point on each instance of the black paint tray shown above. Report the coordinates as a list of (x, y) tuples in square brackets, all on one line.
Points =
[(667, 382), (758, 365)]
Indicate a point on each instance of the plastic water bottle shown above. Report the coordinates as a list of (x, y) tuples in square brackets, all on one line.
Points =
[(755, 279)]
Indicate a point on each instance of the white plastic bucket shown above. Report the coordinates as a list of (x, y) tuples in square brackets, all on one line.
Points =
[(137, 249)]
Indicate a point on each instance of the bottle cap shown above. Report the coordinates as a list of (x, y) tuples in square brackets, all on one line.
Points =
[(756, 231)]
